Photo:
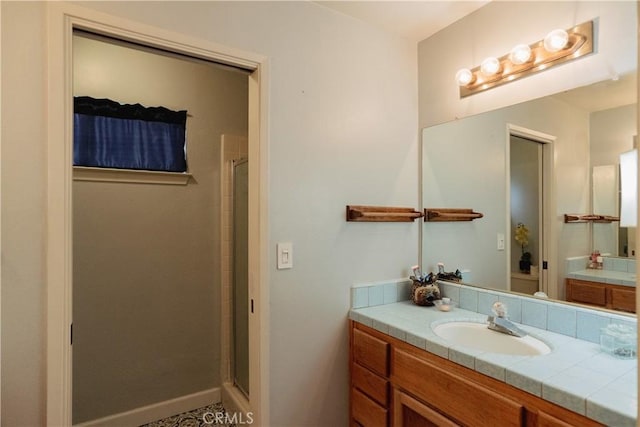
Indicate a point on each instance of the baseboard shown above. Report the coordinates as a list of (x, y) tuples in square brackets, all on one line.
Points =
[(233, 400), (149, 413)]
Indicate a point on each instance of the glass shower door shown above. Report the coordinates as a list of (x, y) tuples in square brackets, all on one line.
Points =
[(240, 276)]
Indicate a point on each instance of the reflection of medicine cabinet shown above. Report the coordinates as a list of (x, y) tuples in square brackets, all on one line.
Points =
[(629, 188)]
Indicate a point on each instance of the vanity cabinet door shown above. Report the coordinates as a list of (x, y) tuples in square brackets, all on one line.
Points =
[(409, 412), (586, 292), (621, 298), (459, 398)]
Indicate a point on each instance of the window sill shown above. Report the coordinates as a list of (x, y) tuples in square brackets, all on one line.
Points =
[(82, 173)]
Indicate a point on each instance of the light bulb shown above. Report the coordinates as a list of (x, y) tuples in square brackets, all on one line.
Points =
[(490, 66), (556, 40), (520, 54), (464, 76)]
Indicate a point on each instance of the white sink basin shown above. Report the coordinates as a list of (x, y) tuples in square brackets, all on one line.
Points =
[(478, 336)]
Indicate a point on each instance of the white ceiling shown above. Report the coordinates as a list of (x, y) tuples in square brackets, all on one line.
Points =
[(414, 20)]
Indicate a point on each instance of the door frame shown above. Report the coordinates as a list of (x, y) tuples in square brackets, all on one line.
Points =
[(62, 20), (548, 276)]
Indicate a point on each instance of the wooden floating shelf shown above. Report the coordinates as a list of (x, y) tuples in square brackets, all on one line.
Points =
[(570, 218), (441, 215), (381, 214)]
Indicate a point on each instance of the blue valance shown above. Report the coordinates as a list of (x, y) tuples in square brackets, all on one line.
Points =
[(128, 136)]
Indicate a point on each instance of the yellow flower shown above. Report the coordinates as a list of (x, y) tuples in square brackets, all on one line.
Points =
[(522, 234)]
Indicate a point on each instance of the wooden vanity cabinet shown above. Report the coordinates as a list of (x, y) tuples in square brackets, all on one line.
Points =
[(396, 384), (614, 297)]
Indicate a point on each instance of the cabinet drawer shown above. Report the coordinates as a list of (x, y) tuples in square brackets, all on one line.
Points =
[(622, 299), (465, 401), (366, 412), (586, 292), (371, 384), (371, 352), (546, 420)]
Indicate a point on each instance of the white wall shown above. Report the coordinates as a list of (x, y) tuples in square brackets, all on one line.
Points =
[(495, 28), (611, 133), (464, 166), (23, 175), (342, 130)]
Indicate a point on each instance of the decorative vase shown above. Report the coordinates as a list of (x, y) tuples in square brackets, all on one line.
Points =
[(525, 266), (423, 294)]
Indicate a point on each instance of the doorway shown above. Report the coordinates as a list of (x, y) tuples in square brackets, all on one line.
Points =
[(64, 18), (140, 303), (531, 202), (526, 214)]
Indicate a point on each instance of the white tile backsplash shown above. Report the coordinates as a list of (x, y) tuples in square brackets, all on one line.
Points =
[(370, 295), (573, 321)]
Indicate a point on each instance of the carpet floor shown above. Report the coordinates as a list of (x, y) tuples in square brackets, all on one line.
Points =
[(212, 415)]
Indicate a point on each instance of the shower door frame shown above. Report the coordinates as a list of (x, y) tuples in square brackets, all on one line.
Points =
[(63, 18)]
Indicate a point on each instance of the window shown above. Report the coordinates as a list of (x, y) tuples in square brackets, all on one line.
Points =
[(107, 134)]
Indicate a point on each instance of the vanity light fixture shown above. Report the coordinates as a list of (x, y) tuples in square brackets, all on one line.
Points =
[(490, 66), (556, 40), (464, 76), (520, 54), (557, 47)]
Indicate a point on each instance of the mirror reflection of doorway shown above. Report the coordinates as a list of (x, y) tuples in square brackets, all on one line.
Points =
[(526, 209)]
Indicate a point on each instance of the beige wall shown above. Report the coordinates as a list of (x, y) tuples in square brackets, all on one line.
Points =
[(342, 129), (146, 257)]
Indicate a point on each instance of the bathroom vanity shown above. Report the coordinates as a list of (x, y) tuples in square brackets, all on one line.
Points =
[(612, 287), (395, 383), (614, 297), (404, 373)]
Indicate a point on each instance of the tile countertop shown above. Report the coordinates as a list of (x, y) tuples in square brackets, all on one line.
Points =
[(611, 277), (575, 375)]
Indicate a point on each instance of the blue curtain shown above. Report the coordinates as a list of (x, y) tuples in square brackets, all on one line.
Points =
[(111, 135)]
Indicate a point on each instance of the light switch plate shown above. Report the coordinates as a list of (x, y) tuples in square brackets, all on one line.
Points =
[(285, 255), (500, 242)]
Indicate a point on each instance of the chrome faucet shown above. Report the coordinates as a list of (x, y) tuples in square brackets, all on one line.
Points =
[(499, 322)]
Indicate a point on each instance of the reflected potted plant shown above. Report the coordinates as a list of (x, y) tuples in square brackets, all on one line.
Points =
[(522, 237)]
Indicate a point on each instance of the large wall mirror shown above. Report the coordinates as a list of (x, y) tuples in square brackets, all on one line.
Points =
[(530, 163)]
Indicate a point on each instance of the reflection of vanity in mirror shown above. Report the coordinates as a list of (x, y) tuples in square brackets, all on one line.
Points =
[(532, 163)]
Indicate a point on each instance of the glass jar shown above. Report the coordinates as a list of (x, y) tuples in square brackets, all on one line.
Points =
[(619, 340)]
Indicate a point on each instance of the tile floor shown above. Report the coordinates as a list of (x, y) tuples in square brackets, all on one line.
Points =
[(207, 416)]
